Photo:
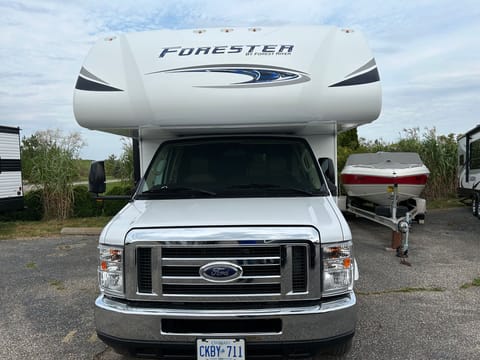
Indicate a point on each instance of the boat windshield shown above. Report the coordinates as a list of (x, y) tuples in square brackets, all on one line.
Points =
[(233, 167)]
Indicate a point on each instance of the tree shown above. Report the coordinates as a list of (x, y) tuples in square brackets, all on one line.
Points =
[(50, 162), (348, 139), (126, 161), (112, 167), (347, 143)]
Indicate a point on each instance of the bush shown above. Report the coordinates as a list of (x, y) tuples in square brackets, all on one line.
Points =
[(84, 205), (33, 205), (112, 207), (50, 161), (33, 208)]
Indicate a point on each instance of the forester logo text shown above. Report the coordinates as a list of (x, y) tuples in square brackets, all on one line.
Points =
[(252, 50)]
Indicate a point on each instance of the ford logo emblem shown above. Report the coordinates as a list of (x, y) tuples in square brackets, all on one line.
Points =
[(220, 271)]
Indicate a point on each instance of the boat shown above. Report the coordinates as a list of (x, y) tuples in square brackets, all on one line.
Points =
[(372, 176)]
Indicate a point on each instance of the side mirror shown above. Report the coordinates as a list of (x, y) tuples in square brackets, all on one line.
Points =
[(96, 177), (328, 169)]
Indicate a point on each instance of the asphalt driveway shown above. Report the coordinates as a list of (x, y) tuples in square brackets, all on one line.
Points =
[(48, 286)]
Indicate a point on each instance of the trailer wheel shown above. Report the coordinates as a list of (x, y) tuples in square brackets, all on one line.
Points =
[(475, 204)]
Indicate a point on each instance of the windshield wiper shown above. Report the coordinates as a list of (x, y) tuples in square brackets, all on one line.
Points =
[(168, 190), (252, 186)]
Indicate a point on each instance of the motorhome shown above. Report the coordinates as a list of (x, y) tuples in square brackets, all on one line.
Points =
[(11, 189), (232, 245), (469, 168)]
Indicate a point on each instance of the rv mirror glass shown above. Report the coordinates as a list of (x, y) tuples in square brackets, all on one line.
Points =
[(328, 169), (96, 177)]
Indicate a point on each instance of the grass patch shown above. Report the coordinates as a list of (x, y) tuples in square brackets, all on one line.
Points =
[(36, 229), (83, 169), (57, 284), (475, 282), (444, 203), (31, 265), (405, 290), (114, 183)]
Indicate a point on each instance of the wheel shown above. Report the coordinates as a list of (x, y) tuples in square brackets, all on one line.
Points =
[(475, 204)]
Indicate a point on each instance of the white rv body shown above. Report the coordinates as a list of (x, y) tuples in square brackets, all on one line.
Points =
[(231, 96), (11, 189), (469, 168), (327, 81)]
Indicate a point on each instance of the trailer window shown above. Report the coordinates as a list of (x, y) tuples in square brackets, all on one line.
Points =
[(475, 155)]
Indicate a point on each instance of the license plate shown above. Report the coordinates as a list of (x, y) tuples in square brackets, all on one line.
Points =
[(220, 349)]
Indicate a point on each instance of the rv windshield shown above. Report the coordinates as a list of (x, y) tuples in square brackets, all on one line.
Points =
[(233, 167)]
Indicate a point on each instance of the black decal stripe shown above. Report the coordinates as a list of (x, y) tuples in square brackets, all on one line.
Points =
[(9, 130), (10, 165), (366, 78), (88, 85)]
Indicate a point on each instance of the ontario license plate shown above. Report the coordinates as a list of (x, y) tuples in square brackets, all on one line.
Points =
[(220, 349)]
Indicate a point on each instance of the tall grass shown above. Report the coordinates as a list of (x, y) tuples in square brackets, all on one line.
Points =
[(438, 152)]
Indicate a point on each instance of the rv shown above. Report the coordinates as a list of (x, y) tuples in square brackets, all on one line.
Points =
[(11, 189), (469, 168), (232, 245)]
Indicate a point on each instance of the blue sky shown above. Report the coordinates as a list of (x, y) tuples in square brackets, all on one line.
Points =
[(427, 51)]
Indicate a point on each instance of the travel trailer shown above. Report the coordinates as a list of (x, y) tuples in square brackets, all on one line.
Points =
[(232, 245), (469, 168), (11, 189)]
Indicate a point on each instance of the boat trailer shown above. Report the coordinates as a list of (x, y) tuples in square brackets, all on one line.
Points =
[(398, 218)]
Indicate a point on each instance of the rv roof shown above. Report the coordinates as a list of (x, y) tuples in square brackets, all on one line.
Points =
[(313, 79)]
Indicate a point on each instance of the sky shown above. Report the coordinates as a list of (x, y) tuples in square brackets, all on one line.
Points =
[(427, 52)]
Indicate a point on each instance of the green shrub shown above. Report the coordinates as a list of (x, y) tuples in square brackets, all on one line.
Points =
[(111, 207), (33, 205), (84, 205)]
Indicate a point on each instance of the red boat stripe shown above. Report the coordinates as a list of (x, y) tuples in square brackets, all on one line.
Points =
[(349, 179)]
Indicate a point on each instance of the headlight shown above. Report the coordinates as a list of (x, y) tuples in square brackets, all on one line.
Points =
[(110, 270), (338, 265)]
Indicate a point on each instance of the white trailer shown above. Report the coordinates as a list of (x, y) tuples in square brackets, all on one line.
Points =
[(469, 168), (11, 189), (233, 242)]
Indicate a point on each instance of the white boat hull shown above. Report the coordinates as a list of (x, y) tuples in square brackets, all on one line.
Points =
[(371, 177), (379, 194)]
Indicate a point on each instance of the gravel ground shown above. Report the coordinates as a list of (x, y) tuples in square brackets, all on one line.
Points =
[(48, 286)]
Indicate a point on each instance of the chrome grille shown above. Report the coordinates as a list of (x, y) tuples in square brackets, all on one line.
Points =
[(260, 264), (168, 269)]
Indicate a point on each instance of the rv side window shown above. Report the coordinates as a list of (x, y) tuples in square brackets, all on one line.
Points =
[(475, 155)]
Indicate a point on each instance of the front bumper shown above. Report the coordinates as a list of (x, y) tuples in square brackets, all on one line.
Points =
[(303, 327)]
